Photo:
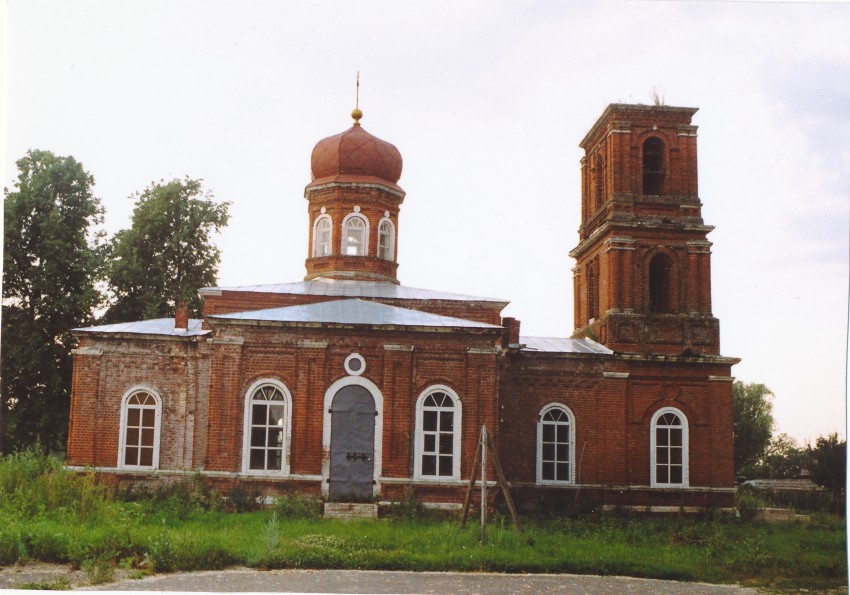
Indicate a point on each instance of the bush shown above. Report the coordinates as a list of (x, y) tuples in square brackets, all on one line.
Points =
[(99, 571), (244, 499), (407, 508), (297, 506), (799, 500), (32, 483)]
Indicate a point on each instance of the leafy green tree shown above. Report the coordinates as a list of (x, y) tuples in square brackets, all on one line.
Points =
[(166, 255), (752, 422), (784, 458), (829, 462), (52, 260)]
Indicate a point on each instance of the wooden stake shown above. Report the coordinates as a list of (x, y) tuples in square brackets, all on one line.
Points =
[(503, 483), (468, 500), (485, 443), (483, 485)]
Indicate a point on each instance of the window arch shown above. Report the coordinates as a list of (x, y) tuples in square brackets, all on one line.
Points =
[(660, 284), (322, 236), (386, 240), (355, 236), (555, 445), (141, 419), (668, 454), (438, 427), (268, 422), (653, 166), (599, 186), (592, 293)]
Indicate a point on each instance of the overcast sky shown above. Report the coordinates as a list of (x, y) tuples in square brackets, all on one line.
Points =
[(487, 102)]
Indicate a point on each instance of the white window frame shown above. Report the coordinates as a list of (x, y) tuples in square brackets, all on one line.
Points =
[(685, 449), (344, 239), (122, 435), (349, 369), (316, 245), (390, 246), (420, 435), (572, 445), (287, 428)]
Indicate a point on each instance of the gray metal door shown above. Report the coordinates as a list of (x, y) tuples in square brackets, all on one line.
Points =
[(352, 444)]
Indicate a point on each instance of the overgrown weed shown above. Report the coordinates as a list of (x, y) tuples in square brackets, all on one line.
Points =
[(99, 570), (57, 584), (297, 506)]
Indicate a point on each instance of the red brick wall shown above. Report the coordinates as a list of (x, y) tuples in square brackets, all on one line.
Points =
[(339, 201), (613, 414), (307, 371), (173, 369)]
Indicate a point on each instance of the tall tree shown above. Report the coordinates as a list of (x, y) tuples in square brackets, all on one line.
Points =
[(52, 260), (829, 462), (783, 458), (752, 422), (166, 255)]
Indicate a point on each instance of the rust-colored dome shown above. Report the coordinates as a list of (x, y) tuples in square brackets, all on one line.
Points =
[(355, 152)]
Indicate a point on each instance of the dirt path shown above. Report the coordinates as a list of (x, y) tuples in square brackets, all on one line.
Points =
[(352, 581)]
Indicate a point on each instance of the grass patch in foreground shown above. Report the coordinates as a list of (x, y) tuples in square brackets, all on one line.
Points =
[(51, 515), (59, 584)]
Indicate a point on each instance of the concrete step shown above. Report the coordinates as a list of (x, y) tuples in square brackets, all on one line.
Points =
[(350, 510)]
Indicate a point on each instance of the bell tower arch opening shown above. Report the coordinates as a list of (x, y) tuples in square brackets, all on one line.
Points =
[(653, 166), (660, 284), (592, 293)]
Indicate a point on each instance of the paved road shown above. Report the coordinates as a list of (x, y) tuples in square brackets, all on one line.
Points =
[(357, 581)]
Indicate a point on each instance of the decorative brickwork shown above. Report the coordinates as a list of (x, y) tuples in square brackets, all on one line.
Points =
[(642, 277)]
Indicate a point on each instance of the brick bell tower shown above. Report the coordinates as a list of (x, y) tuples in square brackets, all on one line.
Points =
[(642, 280), (353, 204)]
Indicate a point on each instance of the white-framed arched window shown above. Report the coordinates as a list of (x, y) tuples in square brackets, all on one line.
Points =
[(268, 425), (438, 428), (668, 448), (386, 240), (355, 236), (322, 236), (555, 445), (140, 423)]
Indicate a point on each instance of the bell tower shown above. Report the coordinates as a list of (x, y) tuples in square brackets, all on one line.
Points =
[(642, 280)]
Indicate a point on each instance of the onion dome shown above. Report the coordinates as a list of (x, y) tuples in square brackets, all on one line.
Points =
[(355, 155)]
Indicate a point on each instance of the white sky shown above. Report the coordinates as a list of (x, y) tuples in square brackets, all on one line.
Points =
[(487, 102)]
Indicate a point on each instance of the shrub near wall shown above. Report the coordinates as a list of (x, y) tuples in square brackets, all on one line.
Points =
[(799, 500)]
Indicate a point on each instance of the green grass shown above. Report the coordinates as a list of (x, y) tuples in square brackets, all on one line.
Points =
[(51, 515), (59, 584)]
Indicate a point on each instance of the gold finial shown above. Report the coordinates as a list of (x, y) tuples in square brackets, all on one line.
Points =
[(357, 114)]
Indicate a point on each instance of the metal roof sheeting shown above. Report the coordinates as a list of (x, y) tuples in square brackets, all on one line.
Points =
[(155, 326), (783, 484), (562, 345), (353, 312), (355, 289)]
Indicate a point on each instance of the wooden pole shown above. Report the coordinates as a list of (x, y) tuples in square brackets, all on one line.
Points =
[(483, 485), (485, 444), (468, 500), (503, 483)]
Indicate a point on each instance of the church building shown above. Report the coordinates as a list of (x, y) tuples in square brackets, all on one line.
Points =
[(350, 386)]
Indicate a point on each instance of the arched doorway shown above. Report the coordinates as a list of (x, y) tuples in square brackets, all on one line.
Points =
[(352, 447)]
